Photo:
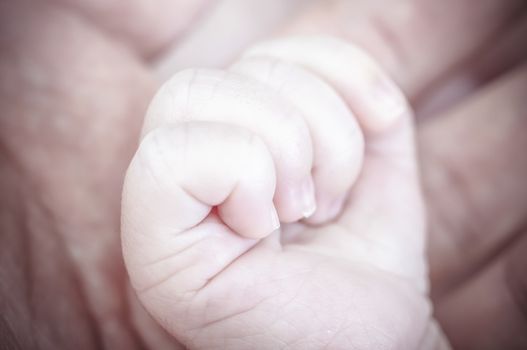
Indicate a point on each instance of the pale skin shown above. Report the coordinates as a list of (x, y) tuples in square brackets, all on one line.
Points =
[(225, 157), (76, 82)]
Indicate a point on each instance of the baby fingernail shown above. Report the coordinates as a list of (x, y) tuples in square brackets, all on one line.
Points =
[(305, 197), (274, 220), (387, 100), (301, 198), (327, 209), (335, 207)]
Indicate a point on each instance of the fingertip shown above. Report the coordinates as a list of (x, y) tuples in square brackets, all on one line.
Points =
[(250, 222), (384, 104), (270, 224), (296, 201), (328, 209)]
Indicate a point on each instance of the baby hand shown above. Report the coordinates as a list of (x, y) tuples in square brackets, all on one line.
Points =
[(305, 131)]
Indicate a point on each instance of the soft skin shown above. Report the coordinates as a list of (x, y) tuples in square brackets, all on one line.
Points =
[(221, 151), (75, 84)]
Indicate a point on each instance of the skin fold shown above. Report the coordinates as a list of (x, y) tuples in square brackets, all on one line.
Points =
[(71, 116)]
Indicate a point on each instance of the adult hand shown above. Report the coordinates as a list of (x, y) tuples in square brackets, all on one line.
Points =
[(478, 210), (74, 89)]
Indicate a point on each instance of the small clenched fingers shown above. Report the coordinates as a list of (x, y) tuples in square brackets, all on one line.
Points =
[(233, 99), (184, 197), (338, 143), (387, 191)]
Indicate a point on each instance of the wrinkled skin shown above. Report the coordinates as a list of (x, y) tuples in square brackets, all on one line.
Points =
[(70, 123)]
